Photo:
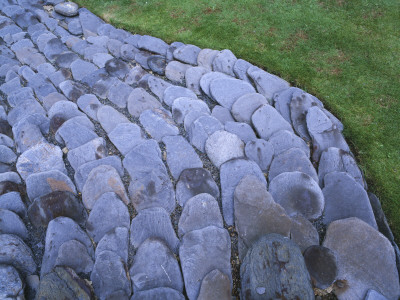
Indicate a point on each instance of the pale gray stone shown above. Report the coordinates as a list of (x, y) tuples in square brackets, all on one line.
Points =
[(175, 71), (242, 130), (139, 100), (134, 75), (183, 105), (224, 62), (206, 57), (95, 149), (187, 54), (109, 118), (173, 92), (222, 114), (115, 240), (201, 128), (267, 121), (209, 77), (157, 86), (89, 104), (282, 102), (65, 109), (90, 22), (267, 84), (284, 140), (11, 223), (240, 69), (192, 78), (226, 90), (158, 123), (73, 134), (11, 284), (7, 156), (152, 44), (13, 202), (126, 136), (244, 107)]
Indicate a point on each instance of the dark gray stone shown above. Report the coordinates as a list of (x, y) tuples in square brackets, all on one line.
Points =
[(207, 78), (187, 54), (170, 51), (115, 240), (267, 84), (95, 149), (73, 254), (158, 293), (346, 198), (117, 68), (240, 69), (9, 186), (222, 114), (13, 202), (89, 104), (183, 105), (174, 92), (274, 267), (163, 271), (16, 253), (107, 213), (202, 251), (215, 286), (297, 192), (267, 121), (175, 71), (180, 155), (224, 62), (206, 58), (284, 140), (54, 48), (222, 146), (158, 123), (11, 284), (125, 136), (157, 64), (282, 102), (152, 44), (303, 233), (81, 68), (102, 179), (109, 118), (261, 152), (230, 175), (114, 46), (101, 87), (292, 160), (155, 223), (11, 223), (242, 130), (256, 213), (109, 275), (90, 22), (360, 263), (140, 100), (201, 128), (244, 107), (199, 212), (226, 90)]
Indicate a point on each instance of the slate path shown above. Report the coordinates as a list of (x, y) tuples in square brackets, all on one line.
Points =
[(134, 169)]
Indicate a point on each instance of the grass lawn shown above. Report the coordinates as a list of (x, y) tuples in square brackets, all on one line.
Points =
[(344, 52)]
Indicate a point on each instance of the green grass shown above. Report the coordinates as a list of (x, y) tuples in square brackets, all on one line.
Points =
[(344, 52)]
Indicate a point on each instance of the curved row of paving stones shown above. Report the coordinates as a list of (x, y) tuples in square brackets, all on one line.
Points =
[(87, 118)]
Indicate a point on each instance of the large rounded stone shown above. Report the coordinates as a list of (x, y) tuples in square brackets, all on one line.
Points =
[(73, 254), (183, 105), (11, 223), (224, 62), (284, 140), (261, 152), (201, 128), (226, 90), (246, 105), (11, 285), (215, 286)]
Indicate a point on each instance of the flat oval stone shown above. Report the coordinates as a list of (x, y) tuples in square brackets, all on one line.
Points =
[(119, 93), (201, 128), (244, 107), (242, 130), (222, 114), (95, 149), (13, 202), (224, 62), (157, 86), (261, 152), (126, 136), (282, 101), (73, 254), (11, 223), (140, 100), (206, 58), (303, 232), (187, 54), (117, 68), (192, 78), (10, 282), (207, 78), (158, 123), (267, 84), (157, 64), (173, 92), (175, 71), (240, 69), (284, 140), (115, 240), (215, 286), (183, 105), (109, 118), (297, 192), (226, 91), (152, 44)]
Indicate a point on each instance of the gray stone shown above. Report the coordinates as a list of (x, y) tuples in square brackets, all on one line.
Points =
[(9, 186), (126, 136), (102, 179), (199, 212), (180, 155), (170, 51), (100, 41), (95, 149), (107, 213), (345, 198), (192, 78), (83, 171), (119, 93), (40, 158), (155, 223), (224, 62), (174, 92), (141, 58), (81, 68), (191, 117), (46, 69), (10, 176), (244, 107), (215, 286), (158, 293), (16, 253), (115, 240), (114, 46), (207, 78), (75, 27), (11, 86), (222, 114), (128, 52), (374, 295), (7, 156), (187, 54), (11, 285), (256, 213), (365, 266), (117, 68), (134, 75), (163, 271), (54, 48), (19, 96), (323, 133), (338, 160), (230, 175), (157, 64), (90, 22), (282, 102), (72, 134), (59, 231), (157, 86), (100, 59), (240, 69), (303, 233), (100, 88), (13, 202), (292, 160), (261, 152), (73, 254), (72, 90), (109, 275), (267, 121), (274, 267), (39, 184), (140, 100), (284, 140), (152, 44), (297, 192), (11, 223), (175, 71), (56, 204), (226, 90), (24, 43), (202, 251), (89, 104), (206, 57), (158, 123), (201, 129), (222, 146), (58, 77), (267, 84), (321, 263), (109, 118), (242, 130), (65, 109), (183, 105)]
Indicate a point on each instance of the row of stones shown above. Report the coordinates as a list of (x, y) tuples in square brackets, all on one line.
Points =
[(178, 107)]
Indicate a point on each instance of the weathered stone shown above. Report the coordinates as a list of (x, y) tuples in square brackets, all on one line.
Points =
[(222, 146), (72, 90), (95, 149), (101, 87), (230, 175), (115, 240), (284, 140), (40, 158), (224, 62), (192, 78), (158, 123), (109, 275), (170, 51), (11, 223), (215, 286), (173, 92), (157, 86), (152, 44), (23, 110), (256, 213), (291, 160), (119, 93), (10, 176), (187, 54), (114, 47), (206, 58), (222, 114), (163, 271), (56, 204), (261, 152), (183, 105), (175, 71), (346, 198), (7, 156), (134, 75), (8, 186), (267, 84), (244, 107), (107, 213), (282, 102), (374, 295), (242, 130), (362, 265), (199, 212), (267, 121), (153, 222), (207, 78), (142, 57), (16, 253), (297, 192), (201, 129), (89, 104), (202, 251), (11, 285), (90, 22), (158, 293), (109, 118), (117, 68), (157, 64), (73, 134), (139, 100), (102, 179), (303, 233), (100, 59), (240, 69), (226, 91), (54, 48), (126, 136), (75, 27), (58, 77), (64, 109), (274, 267), (13, 202), (128, 52), (81, 68), (73, 254)]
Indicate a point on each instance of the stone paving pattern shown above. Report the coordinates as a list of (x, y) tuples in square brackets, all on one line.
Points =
[(134, 169)]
